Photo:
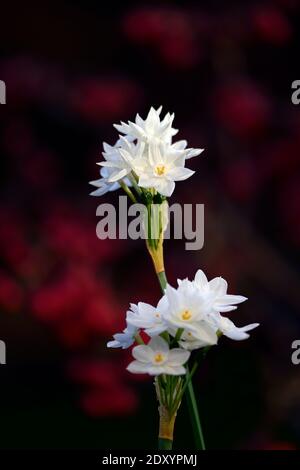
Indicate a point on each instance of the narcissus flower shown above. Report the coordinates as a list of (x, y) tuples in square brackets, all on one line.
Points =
[(102, 184), (156, 358), (150, 130), (147, 317), (160, 168), (190, 342), (125, 339), (215, 292), (146, 156), (191, 313), (228, 328), (114, 167), (114, 161), (188, 310)]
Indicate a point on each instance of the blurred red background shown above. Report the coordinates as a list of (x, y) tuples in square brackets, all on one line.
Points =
[(72, 69)]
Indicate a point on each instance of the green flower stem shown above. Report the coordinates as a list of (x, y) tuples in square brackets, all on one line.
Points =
[(128, 191), (162, 279), (133, 180)]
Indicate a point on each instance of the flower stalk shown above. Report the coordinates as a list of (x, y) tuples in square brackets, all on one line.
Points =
[(146, 163), (167, 418)]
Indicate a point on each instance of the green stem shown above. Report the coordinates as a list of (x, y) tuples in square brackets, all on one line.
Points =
[(128, 191), (162, 279), (135, 185), (178, 336), (194, 416)]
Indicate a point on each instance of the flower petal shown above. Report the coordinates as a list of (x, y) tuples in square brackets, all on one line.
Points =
[(142, 353), (179, 174), (201, 279), (136, 367), (158, 344), (178, 357)]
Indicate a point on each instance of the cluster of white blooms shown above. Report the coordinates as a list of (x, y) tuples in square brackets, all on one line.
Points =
[(145, 152), (191, 314)]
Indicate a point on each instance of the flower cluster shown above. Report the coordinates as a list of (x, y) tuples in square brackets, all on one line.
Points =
[(188, 318), (145, 155)]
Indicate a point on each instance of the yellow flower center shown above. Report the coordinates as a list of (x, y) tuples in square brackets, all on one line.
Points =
[(160, 170), (158, 357), (186, 315)]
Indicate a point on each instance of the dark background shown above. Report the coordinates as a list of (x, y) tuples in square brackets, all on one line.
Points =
[(72, 69)]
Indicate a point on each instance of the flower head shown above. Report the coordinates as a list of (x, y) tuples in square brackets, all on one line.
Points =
[(193, 309), (215, 291), (146, 154), (147, 317), (114, 168), (161, 167), (103, 184), (150, 130), (156, 358), (188, 310)]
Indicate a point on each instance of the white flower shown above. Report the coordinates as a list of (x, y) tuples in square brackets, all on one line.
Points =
[(215, 291), (228, 328), (188, 153), (148, 317), (151, 129), (189, 342), (146, 151), (125, 339), (195, 308), (116, 163), (160, 168), (187, 310), (103, 184), (154, 131), (156, 358), (114, 167)]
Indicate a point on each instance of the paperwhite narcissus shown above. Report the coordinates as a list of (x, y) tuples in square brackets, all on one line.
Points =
[(150, 130), (113, 168), (161, 168), (186, 318), (188, 311), (119, 166), (103, 185), (147, 317), (192, 308), (145, 153), (228, 328), (215, 291), (190, 342), (156, 358), (125, 339)]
